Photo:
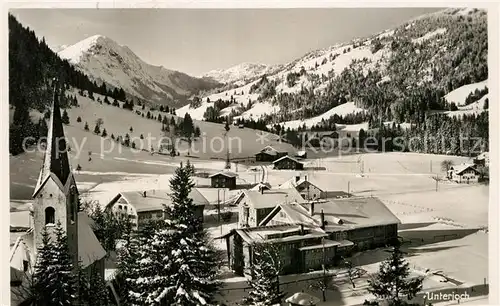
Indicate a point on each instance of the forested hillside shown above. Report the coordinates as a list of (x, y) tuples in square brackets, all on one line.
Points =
[(32, 66), (401, 75)]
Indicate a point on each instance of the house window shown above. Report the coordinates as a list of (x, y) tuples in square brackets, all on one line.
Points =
[(25, 265), (50, 214)]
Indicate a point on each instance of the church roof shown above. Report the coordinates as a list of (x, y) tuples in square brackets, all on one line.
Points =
[(89, 248), (56, 158)]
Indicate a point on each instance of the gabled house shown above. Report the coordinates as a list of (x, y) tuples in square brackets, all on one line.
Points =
[(254, 205), (270, 153), (366, 222), (223, 179), (142, 206), (259, 186), (301, 247), (482, 159), (465, 173), (305, 187), (309, 235), (288, 162)]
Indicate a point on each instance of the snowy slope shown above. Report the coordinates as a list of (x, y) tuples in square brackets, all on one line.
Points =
[(459, 95), (241, 72), (104, 60), (316, 69), (341, 110)]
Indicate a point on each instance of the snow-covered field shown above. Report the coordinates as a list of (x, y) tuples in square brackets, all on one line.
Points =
[(404, 181), (341, 110), (459, 95), (429, 35)]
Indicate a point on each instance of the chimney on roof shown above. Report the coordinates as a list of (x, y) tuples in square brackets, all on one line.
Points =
[(305, 177), (297, 178), (302, 229), (322, 220), (261, 189), (144, 194), (311, 208)]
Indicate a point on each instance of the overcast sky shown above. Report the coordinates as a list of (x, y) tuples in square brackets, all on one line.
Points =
[(197, 41)]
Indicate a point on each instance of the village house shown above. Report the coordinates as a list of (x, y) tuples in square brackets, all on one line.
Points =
[(465, 173), (269, 154), (259, 186), (301, 154), (367, 222), (482, 159), (305, 187), (223, 179), (287, 162), (55, 199), (142, 206), (312, 188), (300, 247), (255, 205), (302, 232)]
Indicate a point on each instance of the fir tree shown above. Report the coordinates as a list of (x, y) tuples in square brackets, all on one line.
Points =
[(86, 126), (264, 282), (55, 280), (92, 288), (195, 259), (148, 271), (391, 284), (131, 129), (104, 133), (79, 119), (65, 117), (183, 209), (97, 130)]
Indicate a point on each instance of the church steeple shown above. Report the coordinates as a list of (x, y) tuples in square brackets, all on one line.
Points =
[(56, 159), (55, 198)]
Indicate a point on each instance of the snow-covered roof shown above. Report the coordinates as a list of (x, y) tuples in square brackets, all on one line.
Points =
[(279, 233), (338, 213), (260, 185), (286, 157), (484, 155), (302, 298), (89, 248), (154, 199), (458, 169), (293, 183), (225, 173), (272, 197)]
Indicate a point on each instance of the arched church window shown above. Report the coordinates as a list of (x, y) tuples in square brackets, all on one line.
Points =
[(50, 215)]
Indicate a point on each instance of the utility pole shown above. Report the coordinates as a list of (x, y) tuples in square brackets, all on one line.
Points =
[(218, 206), (324, 259), (228, 161)]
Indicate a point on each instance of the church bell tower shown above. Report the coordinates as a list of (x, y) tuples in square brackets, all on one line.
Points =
[(56, 196)]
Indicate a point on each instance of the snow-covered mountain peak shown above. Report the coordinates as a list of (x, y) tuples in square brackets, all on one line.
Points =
[(240, 72), (104, 60)]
